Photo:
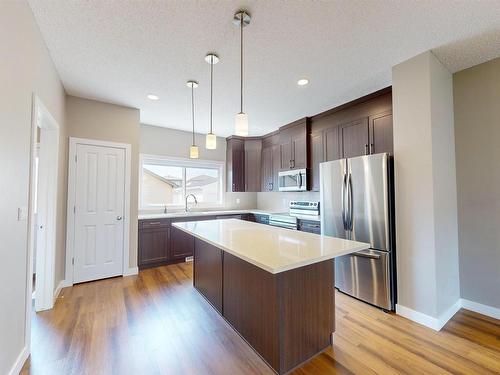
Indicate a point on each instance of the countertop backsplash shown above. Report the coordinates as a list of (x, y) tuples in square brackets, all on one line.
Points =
[(278, 201)]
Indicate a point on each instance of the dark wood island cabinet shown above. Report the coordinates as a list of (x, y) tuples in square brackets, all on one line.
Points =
[(281, 301)]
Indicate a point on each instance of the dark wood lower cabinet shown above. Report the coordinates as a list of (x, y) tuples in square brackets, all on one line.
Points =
[(207, 272), (251, 306), (154, 244), (287, 317), (181, 244)]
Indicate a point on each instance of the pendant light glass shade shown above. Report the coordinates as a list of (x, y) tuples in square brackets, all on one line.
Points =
[(211, 141), (194, 152), (241, 124)]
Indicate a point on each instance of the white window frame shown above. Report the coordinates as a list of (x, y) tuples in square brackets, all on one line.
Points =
[(182, 162)]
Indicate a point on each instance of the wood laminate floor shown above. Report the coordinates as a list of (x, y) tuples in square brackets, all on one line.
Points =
[(156, 323)]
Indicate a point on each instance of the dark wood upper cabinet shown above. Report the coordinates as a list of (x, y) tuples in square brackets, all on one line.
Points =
[(276, 166), (332, 144), (253, 154), (352, 129), (267, 169), (354, 138), (285, 155), (293, 145), (381, 139), (317, 156), (235, 165)]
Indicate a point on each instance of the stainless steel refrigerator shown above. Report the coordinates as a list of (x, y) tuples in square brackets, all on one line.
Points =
[(357, 203)]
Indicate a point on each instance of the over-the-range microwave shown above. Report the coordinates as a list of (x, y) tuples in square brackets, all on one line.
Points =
[(292, 180)]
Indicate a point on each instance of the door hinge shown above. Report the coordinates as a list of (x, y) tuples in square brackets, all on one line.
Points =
[(73, 261), (74, 209)]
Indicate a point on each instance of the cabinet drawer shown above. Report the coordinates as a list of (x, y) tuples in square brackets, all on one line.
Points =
[(154, 223)]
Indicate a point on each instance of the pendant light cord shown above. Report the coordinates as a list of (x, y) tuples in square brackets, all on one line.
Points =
[(192, 107), (211, 88), (241, 61)]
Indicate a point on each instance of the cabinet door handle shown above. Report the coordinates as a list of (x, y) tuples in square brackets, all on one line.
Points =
[(366, 149), (371, 148)]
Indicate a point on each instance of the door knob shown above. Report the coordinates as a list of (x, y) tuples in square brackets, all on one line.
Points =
[(118, 218)]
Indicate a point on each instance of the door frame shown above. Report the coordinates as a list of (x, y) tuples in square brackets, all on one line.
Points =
[(70, 232), (40, 115)]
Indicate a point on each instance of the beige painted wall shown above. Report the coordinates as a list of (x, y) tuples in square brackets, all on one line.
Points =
[(155, 140), (107, 122), (477, 129), (25, 68), (426, 213)]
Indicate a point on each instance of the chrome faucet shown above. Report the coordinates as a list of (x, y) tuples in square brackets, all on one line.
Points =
[(186, 201)]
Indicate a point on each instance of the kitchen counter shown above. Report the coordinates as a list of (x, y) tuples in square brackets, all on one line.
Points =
[(180, 214), (201, 213), (270, 248)]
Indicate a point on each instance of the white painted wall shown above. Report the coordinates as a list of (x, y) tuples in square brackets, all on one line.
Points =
[(25, 67), (426, 214)]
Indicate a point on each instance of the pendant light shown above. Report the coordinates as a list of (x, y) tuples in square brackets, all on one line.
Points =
[(211, 140), (193, 150), (241, 19)]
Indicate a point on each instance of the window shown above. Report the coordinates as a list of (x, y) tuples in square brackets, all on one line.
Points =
[(166, 181)]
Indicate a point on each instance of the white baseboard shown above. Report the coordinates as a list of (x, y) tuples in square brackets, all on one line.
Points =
[(479, 308), (18, 365), (426, 320), (438, 323), (131, 271)]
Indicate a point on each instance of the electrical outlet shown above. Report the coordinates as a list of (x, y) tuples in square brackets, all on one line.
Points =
[(22, 213), (238, 201)]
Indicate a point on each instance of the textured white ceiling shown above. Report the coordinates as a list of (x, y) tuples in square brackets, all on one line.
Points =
[(119, 51)]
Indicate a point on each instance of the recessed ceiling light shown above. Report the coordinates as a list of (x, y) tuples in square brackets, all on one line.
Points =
[(302, 82), (153, 97)]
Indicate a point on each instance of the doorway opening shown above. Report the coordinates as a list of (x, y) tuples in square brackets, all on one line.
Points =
[(43, 207)]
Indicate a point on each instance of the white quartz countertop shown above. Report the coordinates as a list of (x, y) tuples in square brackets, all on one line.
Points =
[(171, 215), (270, 248)]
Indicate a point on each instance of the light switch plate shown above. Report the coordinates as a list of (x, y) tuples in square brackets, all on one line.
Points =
[(22, 213), (237, 200)]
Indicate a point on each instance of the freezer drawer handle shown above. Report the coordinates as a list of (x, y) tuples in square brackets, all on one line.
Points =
[(366, 255)]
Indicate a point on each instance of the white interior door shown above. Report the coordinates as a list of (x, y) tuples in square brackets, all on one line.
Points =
[(99, 211)]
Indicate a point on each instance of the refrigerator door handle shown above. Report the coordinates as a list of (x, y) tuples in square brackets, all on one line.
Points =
[(349, 202), (344, 189)]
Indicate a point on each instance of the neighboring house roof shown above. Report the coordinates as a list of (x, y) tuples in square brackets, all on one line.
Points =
[(175, 183), (200, 181)]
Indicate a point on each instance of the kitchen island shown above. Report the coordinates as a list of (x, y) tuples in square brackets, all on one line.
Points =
[(274, 286)]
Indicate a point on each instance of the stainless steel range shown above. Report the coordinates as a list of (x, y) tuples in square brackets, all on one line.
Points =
[(289, 219)]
